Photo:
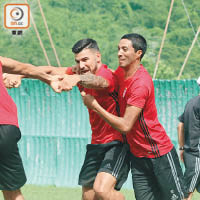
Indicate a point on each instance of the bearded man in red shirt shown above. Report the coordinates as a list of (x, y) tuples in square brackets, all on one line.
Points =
[(155, 166)]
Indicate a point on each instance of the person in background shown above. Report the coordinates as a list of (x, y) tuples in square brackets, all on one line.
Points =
[(189, 143)]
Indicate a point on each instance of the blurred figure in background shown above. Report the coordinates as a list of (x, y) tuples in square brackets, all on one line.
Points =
[(189, 143)]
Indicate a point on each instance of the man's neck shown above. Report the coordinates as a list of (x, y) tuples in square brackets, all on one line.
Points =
[(131, 70), (98, 67)]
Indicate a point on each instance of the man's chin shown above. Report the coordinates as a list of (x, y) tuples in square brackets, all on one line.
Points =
[(121, 65)]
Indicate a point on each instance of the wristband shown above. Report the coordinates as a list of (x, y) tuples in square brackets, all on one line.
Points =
[(181, 148)]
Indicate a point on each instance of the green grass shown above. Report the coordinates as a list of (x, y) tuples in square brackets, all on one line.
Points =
[(33, 192)]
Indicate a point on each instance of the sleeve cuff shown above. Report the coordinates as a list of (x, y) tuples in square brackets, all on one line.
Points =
[(69, 71)]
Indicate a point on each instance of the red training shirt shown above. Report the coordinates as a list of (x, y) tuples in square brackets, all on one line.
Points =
[(8, 109), (102, 132), (147, 137)]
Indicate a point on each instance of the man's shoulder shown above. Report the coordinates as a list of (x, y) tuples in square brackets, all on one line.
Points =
[(143, 78), (144, 73), (193, 106), (106, 73), (104, 69), (194, 101)]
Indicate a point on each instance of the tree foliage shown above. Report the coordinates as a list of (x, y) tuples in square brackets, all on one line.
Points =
[(106, 21)]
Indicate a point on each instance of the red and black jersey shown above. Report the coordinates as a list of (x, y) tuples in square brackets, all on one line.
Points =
[(102, 132), (147, 137), (8, 109)]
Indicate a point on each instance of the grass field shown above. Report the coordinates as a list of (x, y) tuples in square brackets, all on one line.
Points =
[(32, 192)]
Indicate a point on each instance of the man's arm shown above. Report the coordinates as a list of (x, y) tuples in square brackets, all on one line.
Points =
[(53, 70), (88, 81), (12, 80), (60, 70), (93, 81), (15, 67), (181, 138), (122, 124)]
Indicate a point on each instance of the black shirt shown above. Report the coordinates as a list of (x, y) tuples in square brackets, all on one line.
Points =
[(191, 120)]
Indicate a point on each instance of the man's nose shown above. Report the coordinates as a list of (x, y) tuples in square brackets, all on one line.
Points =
[(82, 66), (119, 53)]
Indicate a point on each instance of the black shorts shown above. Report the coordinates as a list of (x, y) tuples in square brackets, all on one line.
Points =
[(192, 172), (158, 178), (12, 175), (112, 158)]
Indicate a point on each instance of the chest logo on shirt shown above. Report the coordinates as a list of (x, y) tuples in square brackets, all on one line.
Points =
[(124, 93)]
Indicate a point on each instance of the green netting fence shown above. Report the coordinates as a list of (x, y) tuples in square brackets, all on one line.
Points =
[(55, 127)]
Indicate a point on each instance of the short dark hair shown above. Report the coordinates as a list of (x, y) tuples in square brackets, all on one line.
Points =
[(138, 42), (85, 44)]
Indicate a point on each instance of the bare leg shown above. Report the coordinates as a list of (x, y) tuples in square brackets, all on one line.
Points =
[(190, 196), (88, 194), (104, 187), (13, 195)]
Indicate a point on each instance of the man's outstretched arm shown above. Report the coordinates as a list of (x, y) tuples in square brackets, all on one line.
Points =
[(87, 81), (15, 67)]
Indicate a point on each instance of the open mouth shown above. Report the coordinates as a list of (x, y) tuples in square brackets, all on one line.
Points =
[(84, 71)]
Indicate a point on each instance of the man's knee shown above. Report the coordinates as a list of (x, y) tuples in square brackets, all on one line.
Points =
[(85, 196), (13, 195), (104, 185), (88, 193), (101, 193)]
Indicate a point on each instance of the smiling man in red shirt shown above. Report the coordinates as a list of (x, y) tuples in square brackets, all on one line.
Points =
[(155, 166)]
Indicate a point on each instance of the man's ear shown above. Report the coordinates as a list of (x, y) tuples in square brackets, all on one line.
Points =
[(139, 53), (98, 54)]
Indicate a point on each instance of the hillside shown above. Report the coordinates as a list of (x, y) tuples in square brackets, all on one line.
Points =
[(106, 21)]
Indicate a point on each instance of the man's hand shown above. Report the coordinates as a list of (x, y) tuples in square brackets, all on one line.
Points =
[(55, 83), (89, 100), (12, 80), (76, 69), (69, 81)]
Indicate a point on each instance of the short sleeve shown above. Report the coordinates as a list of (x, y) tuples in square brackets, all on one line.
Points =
[(110, 77), (181, 118), (69, 71), (138, 95)]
